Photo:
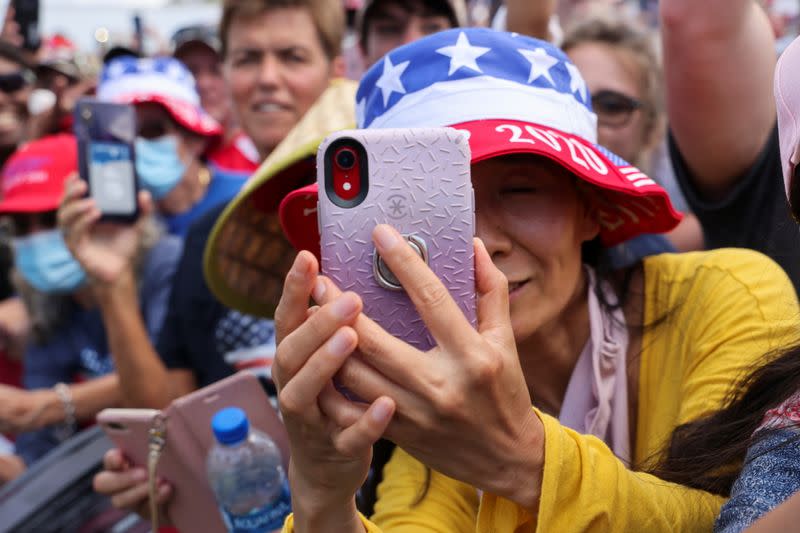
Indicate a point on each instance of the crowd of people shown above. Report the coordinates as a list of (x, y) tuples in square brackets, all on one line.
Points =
[(636, 360)]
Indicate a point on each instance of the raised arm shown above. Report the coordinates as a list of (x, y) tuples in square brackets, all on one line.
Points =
[(718, 62), (530, 17), (108, 253)]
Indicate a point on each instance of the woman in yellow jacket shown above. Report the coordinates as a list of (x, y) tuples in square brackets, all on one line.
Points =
[(611, 361)]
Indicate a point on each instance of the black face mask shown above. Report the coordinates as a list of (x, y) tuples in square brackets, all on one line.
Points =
[(14, 81)]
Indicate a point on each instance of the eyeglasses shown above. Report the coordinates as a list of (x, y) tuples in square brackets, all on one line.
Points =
[(614, 109), (13, 82)]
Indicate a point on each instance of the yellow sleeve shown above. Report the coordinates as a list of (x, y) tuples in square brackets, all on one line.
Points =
[(586, 488), (369, 527), (716, 315), (448, 506), (726, 313)]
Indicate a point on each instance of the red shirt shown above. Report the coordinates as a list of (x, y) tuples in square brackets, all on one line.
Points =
[(239, 155)]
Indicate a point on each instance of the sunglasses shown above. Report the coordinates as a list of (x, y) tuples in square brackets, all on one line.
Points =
[(153, 129), (13, 82), (614, 109), (23, 224)]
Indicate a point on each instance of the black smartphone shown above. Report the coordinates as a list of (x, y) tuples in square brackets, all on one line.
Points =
[(26, 15), (138, 32), (106, 133)]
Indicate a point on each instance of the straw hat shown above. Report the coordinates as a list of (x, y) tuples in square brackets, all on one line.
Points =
[(247, 255)]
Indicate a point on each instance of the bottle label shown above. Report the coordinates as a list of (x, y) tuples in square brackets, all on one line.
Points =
[(264, 520)]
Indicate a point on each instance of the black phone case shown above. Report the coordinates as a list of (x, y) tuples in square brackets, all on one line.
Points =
[(97, 121)]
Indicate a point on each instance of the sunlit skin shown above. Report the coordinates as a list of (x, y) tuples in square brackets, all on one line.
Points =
[(206, 67), (533, 219), (276, 69), (13, 109), (393, 26), (605, 67)]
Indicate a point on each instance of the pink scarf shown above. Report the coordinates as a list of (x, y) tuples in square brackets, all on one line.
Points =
[(596, 401)]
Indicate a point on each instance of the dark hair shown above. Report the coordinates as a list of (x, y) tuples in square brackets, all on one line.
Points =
[(707, 453), (415, 7), (794, 194)]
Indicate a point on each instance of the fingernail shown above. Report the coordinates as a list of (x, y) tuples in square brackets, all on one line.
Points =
[(344, 306), (381, 412), (301, 266), (139, 474), (339, 343), (319, 291), (385, 236)]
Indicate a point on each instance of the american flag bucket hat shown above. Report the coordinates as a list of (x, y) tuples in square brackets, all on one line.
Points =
[(513, 95), (161, 80)]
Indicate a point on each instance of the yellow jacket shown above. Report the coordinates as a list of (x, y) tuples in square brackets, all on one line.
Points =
[(720, 312)]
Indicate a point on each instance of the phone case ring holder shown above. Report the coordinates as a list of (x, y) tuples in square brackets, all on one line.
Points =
[(383, 274)]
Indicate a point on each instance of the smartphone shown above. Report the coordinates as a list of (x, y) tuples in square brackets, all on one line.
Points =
[(138, 32), (417, 180), (188, 438), (106, 133), (26, 15)]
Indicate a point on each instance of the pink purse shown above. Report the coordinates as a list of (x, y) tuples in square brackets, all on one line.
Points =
[(173, 444)]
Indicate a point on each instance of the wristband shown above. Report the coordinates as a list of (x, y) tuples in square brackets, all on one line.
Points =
[(66, 429)]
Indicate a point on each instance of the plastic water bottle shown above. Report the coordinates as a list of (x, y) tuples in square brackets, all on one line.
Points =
[(246, 474)]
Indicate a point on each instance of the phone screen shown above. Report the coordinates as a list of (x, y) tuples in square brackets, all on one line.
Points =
[(111, 177), (106, 155)]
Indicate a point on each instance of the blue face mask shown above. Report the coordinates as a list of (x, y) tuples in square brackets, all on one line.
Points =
[(158, 166), (45, 262)]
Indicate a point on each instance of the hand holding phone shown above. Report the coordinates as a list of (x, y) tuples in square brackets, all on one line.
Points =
[(106, 134), (186, 429)]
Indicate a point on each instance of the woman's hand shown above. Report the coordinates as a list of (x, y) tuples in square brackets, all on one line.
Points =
[(11, 467), (106, 251), (15, 325), (26, 410), (127, 487), (463, 408), (329, 461)]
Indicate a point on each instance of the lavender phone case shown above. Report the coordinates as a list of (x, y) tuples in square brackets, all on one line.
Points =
[(419, 182)]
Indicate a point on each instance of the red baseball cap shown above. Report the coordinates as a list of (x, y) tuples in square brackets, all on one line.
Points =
[(161, 80), (32, 180)]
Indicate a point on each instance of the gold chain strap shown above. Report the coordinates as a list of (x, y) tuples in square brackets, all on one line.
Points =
[(158, 437)]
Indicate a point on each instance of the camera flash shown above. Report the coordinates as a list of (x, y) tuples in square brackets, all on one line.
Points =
[(347, 186)]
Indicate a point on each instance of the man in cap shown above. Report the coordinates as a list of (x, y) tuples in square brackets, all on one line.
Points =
[(387, 24), (198, 47)]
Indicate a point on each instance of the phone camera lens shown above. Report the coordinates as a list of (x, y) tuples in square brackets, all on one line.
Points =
[(346, 158)]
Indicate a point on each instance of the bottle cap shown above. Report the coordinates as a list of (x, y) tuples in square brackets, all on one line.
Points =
[(230, 425)]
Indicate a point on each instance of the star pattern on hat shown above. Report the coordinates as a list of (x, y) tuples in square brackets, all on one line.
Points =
[(390, 82), (176, 71), (361, 110), (115, 69), (541, 63), (452, 58), (577, 83), (463, 54)]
